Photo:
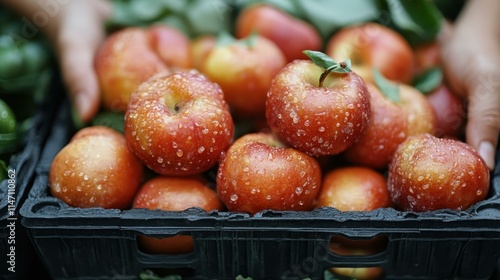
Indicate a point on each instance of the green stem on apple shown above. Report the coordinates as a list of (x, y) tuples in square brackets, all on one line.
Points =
[(327, 63)]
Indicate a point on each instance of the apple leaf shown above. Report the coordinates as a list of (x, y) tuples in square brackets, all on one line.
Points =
[(429, 80), (327, 63), (114, 120), (388, 89), (417, 21), (224, 38), (330, 15)]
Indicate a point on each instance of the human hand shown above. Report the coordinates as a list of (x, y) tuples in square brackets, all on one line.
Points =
[(471, 60), (76, 36)]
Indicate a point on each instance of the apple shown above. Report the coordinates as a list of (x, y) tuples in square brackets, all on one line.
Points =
[(178, 123), (259, 173), (386, 130), (420, 114), (426, 56), (200, 47), (317, 111), (429, 173), (174, 194), (450, 112), (372, 45), (354, 188), (124, 61), (289, 33), (95, 169), (244, 70), (171, 45), (343, 246)]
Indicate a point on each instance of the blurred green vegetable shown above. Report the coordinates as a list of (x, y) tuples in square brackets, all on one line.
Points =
[(8, 129)]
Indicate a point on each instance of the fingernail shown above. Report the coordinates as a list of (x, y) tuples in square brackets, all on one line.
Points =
[(82, 104), (487, 152)]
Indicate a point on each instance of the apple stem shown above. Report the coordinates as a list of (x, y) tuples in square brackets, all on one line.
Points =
[(177, 107), (323, 76), (327, 63)]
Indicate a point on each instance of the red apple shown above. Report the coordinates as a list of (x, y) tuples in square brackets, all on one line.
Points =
[(178, 124), (372, 45), (124, 61), (427, 56), (419, 112), (429, 173), (317, 119), (171, 45), (96, 169), (244, 69), (174, 194), (450, 112), (290, 34), (259, 173), (200, 49), (386, 130), (354, 188)]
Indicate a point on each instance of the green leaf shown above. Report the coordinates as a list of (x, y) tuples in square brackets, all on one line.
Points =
[(388, 89), (418, 21), (114, 120), (149, 275), (3, 170), (327, 63), (208, 17), (429, 80), (225, 38), (321, 59), (330, 15)]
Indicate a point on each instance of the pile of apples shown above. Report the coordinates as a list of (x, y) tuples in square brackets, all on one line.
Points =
[(343, 129)]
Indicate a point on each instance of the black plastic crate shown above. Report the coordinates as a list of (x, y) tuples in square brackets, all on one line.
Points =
[(95, 243), (14, 189)]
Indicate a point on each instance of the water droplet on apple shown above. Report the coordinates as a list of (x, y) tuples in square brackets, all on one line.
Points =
[(79, 188), (301, 202), (298, 190), (321, 129), (179, 153), (246, 169), (56, 187), (479, 192), (253, 191), (201, 149), (160, 160), (99, 187), (205, 131), (234, 197), (268, 197)]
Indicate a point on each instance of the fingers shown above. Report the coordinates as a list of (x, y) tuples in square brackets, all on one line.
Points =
[(79, 36), (80, 78), (483, 126)]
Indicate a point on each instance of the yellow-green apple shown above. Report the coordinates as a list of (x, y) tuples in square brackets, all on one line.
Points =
[(354, 188), (96, 169), (200, 47), (124, 61), (244, 70), (259, 173), (372, 45), (386, 130), (290, 34), (171, 45), (174, 194), (179, 123), (429, 173), (315, 110)]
